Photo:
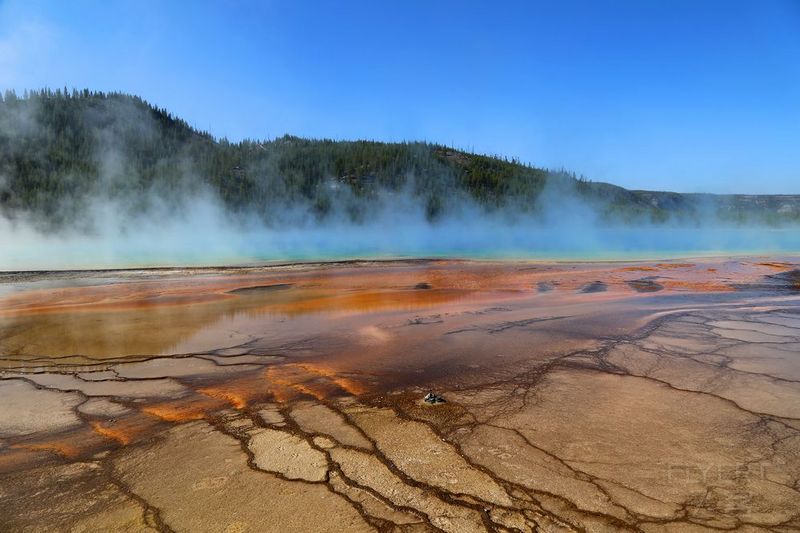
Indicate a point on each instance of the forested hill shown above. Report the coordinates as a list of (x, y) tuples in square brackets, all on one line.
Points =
[(62, 150)]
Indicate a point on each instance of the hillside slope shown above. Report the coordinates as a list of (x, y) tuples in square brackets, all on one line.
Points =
[(61, 151)]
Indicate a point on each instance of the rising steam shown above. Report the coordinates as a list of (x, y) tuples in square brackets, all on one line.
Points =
[(117, 225)]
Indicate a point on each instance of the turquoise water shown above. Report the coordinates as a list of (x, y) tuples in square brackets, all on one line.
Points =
[(216, 246)]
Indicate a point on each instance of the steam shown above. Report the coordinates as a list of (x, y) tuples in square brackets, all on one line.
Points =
[(184, 223), (206, 234)]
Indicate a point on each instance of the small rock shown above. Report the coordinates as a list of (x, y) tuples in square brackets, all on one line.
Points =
[(433, 399)]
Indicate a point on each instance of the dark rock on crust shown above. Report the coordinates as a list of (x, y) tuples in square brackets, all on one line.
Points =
[(433, 399), (546, 286), (594, 286), (788, 280), (644, 285)]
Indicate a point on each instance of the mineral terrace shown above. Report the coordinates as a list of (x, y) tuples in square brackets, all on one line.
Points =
[(649, 396)]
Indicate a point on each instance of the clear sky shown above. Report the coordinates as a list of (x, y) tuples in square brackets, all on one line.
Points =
[(693, 95)]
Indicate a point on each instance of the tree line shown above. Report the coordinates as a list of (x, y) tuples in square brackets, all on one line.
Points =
[(61, 148)]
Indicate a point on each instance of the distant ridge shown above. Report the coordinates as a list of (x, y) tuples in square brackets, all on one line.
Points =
[(61, 150)]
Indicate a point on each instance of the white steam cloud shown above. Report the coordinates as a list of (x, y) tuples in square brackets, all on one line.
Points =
[(204, 233), (157, 227)]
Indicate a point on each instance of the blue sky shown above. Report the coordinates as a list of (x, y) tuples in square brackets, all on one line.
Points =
[(680, 95)]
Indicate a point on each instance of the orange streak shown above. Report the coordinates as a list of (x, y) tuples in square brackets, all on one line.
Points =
[(172, 413), (349, 385), (699, 286), (637, 269), (776, 265), (65, 450), (110, 433), (236, 400), (309, 378), (283, 394), (305, 389)]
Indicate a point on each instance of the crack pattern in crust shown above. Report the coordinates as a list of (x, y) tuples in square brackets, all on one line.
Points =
[(686, 416)]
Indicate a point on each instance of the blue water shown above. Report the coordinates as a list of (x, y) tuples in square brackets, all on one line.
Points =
[(208, 247)]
